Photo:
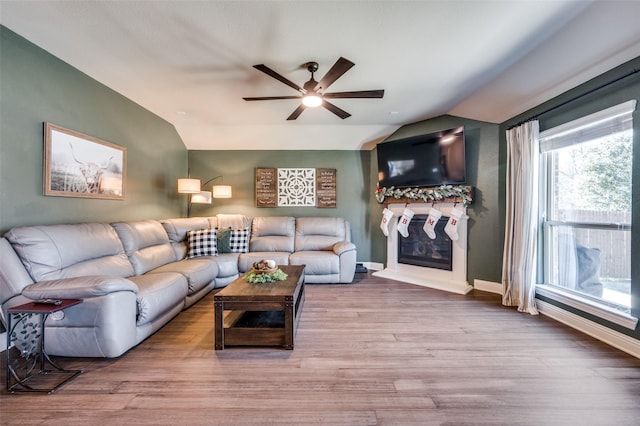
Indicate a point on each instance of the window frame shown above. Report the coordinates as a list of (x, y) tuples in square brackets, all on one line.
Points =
[(586, 128)]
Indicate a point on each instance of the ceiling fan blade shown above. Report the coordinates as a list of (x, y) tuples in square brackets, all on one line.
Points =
[(271, 98), (296, 113), (341, 66), (334, 109), (265, 69), (357, 94)]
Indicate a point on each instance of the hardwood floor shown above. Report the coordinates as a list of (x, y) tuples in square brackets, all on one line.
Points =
[(375, 352)]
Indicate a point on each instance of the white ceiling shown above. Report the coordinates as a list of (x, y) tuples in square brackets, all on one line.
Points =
[(190, 62)]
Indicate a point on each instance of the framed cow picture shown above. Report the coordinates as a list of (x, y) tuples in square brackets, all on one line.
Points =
[(77, 165)]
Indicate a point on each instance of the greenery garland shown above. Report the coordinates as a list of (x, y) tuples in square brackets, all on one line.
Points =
[(254, 278), (426, 194)]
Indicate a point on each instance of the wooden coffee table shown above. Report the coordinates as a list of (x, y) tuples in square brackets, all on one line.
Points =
[(259, 314)]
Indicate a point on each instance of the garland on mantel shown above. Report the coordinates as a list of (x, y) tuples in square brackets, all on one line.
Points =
[(426, 194)]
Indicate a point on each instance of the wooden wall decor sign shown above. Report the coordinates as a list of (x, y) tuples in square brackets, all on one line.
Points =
[(266, 187), (326, 192), (293, 187)]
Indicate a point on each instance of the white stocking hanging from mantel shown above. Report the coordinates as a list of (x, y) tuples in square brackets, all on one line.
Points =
[(403, 223), (384, 224), (430, 224)]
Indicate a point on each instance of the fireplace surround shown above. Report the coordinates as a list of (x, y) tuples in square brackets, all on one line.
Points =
[(454, 280)]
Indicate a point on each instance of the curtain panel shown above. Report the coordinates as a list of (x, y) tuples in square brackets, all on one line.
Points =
[(519, 260)]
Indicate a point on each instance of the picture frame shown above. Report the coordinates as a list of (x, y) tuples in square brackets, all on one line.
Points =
[(78, 165)]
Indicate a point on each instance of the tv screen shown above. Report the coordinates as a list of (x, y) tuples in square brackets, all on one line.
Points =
[(425, 160)]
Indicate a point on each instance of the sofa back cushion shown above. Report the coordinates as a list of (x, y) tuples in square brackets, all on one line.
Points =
[(177, 229), (273, 234), (146, 243), (319, 233), (233, 221), (52, 252)]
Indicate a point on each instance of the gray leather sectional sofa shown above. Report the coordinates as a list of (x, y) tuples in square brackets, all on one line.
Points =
[(134, 277)]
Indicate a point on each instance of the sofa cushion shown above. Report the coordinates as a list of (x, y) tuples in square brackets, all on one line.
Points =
[(227, 264), (146, 243), (239, 241), (317, 262), (202, 242), (319, 233), (272, 234), (235, 221), (177, 229), (246, 260), (52, 252), (199, 272), (158, 294), (177, 232)]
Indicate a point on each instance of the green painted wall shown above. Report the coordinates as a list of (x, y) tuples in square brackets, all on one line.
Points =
[(485, 239), (621, 91), (36, 87), (238, 170)]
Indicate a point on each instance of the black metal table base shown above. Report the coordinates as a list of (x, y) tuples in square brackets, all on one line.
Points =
[(29, 367)]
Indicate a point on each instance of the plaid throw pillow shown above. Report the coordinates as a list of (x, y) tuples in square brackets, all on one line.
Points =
[(201, 242), (239, 241)]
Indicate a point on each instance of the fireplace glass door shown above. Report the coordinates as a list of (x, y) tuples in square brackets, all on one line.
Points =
[(420, 250)]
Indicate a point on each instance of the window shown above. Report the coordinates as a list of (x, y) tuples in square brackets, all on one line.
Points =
[(585, 208)]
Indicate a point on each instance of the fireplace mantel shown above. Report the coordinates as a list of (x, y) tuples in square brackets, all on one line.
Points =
[(454, 281), (406, 200)]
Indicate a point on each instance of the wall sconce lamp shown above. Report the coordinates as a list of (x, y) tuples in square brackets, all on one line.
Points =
[(196, 193)]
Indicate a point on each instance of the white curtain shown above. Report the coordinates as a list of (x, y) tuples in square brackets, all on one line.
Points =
[(519, 260)]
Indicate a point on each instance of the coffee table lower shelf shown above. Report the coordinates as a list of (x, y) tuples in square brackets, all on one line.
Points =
[(254, 328)]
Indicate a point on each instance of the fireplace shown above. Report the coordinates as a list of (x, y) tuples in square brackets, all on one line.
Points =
[(420, 250), (402, 263)]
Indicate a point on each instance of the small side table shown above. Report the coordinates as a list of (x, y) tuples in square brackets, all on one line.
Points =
[(28, 364)]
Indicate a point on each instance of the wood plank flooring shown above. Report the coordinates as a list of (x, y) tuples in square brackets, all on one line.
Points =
[(375, 352)]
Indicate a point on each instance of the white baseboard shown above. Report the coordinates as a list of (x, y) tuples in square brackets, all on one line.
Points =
[(604, 334), (488, 286), (611, 337)]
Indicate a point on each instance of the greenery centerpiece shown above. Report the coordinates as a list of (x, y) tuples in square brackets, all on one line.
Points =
[(262, 278)]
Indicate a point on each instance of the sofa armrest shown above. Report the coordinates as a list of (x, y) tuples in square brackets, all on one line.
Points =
[(78, 287), (342, 247)]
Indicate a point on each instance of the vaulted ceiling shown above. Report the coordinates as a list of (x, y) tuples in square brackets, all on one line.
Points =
[(190, 62)]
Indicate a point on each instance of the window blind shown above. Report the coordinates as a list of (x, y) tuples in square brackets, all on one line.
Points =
[(618, 118)]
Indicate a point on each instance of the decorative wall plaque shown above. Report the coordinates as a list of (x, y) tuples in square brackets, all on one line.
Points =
[(326, 188), (296, 187), (266, 187)]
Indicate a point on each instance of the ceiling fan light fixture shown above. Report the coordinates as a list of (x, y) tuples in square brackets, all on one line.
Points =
[(313, 100)]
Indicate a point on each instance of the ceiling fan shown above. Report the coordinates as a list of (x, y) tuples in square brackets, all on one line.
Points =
[(313, 93)]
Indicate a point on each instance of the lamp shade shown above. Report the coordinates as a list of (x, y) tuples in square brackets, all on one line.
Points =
[(202, 197), (222, 191), (188, 186)]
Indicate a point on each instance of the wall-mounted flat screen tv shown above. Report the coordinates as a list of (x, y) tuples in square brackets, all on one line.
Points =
[(425, 160)]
